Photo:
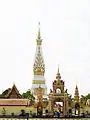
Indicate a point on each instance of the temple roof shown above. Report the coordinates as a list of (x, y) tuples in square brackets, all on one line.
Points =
[(13, 93), (58, 80)]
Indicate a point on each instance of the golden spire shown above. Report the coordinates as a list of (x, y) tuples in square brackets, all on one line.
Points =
[(58, 70), (58, 76), (76, 89), (76, 95), (39, 66), (76, 81), (39, 40), (39, 31)]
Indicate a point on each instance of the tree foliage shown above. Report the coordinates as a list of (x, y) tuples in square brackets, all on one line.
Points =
[(28, 95), (5, 92), (84, 99)]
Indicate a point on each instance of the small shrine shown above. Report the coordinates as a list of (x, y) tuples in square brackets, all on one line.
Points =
[(58, 97)]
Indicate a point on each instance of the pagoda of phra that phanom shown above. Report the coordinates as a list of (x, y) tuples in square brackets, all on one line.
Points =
[(58, 99), (39, 68)]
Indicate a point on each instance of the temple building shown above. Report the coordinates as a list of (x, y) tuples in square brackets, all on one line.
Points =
[(58, 99), (11, 101), (39, 68), (13, 93)]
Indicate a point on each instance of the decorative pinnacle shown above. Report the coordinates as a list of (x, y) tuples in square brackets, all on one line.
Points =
[(76, 86), (76, 82), (76, 91), (58, 70), (39, 31), (58, 74), (39, 41), (13, 83)]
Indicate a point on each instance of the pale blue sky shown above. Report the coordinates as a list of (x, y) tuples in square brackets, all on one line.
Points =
[(65, 30)]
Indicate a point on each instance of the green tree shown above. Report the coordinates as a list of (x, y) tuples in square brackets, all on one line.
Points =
[(83, 99), (5, 92), (87, 97), (28, 94)]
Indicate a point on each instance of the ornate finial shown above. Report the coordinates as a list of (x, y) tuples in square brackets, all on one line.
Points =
[(76, 86), (58, 74), (76, 89), (76, 94), (39, 36), (13, 83), (76, 81), (58, 69), (39, 31)]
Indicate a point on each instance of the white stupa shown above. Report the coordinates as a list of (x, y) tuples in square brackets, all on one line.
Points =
[(39, 68)]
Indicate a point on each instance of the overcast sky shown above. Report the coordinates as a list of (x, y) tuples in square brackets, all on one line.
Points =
[(65, 30)]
